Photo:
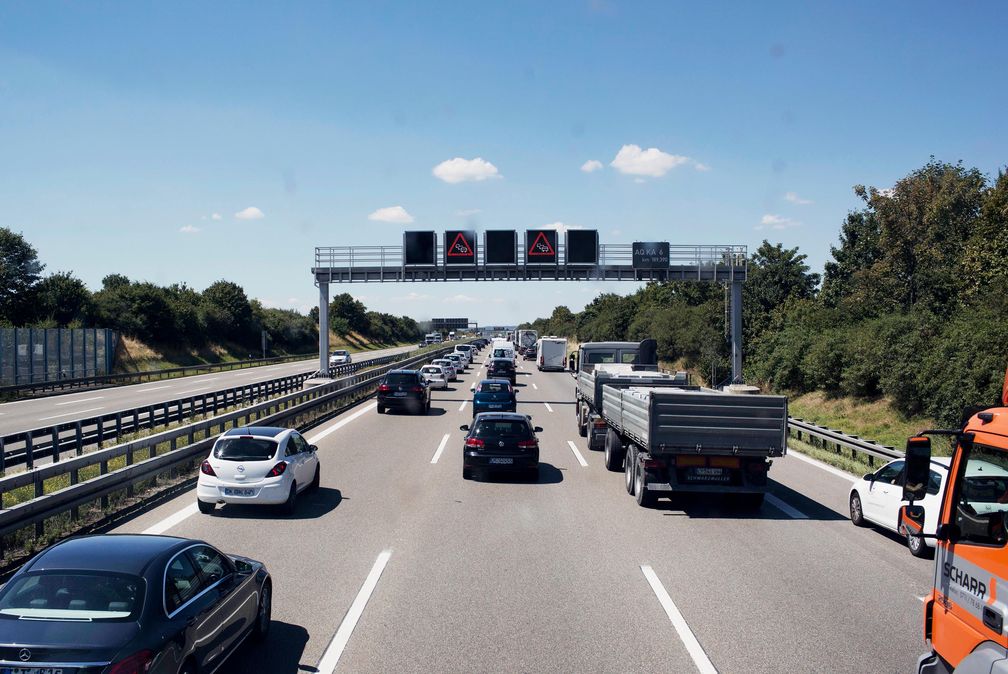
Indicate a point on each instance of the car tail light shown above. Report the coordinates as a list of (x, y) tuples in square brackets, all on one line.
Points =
[(384, 388), (528, 444), (417, 389), (474, 443), (138, 663), (277, 470), (653, 464), (207, 469)]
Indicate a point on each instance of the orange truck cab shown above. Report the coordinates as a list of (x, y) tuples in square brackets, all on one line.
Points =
[(966, 613)]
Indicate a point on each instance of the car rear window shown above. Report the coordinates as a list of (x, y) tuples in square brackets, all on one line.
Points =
[(432, 370), (244, 449), (494, 387), (75, 595), (501, 364), (339, 353), (400, 379), (502, 428)]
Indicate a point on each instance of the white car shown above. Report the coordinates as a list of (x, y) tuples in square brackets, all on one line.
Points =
[(339, 358), (457, 360), (435, 376), (465, 357), (876, 498), (258, 465), (448, 367)]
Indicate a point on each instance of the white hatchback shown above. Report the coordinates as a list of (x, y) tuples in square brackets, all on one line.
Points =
[(448, 367), (876, 498), (435, 376), (258, 465)]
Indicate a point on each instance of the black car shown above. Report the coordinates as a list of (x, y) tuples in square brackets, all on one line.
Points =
[(502, 368), (529, 353), (500, 441), (404, 390), (131, 603)]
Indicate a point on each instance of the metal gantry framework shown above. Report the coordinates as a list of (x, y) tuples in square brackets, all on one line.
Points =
[(385, 264)]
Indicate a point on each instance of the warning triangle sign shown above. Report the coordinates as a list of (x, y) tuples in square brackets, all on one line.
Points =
[(460, 247), (541, 246)]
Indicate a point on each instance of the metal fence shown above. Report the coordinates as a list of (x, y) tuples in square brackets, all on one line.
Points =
[(37, 355), (839, 442)]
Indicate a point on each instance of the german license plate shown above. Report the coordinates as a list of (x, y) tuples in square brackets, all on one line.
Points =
[(495, 406), (500, 461), (400, 394), (238, 492), (709, 474), (36, 670)]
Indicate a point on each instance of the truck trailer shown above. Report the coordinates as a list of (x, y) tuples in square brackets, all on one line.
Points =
[(670, 436)]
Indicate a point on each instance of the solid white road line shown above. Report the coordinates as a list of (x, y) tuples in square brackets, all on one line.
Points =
[(341, 423), (70, 414), (534, 386), (577, 454), (548, 406), (819, 464), (785, 508), (462, 406), (152, 388), (437, 454), (693, 647), (82, 400), (327, 665), (172, 520)]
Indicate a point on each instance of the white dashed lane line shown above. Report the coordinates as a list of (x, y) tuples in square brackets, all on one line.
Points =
[(786, 508), (548, 406), (437, 454), (462, 406), (82, 400), (682, 628), (70, 414), (577, 454)]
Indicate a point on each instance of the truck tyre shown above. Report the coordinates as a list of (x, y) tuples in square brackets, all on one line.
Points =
[(581, 421), (628, 468), (645, 498), (614, 451), (856, 512)]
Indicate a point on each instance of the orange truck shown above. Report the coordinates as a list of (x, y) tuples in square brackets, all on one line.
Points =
[(966, 613)]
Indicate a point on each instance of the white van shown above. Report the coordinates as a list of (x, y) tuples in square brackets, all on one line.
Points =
[(551, 352)]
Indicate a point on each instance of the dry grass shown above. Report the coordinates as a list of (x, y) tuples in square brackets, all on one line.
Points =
[(872, 420)]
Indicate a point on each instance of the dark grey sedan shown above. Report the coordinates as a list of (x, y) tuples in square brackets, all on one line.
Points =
[(126, 604)]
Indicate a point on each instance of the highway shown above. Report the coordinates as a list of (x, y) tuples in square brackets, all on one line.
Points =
[(397, 564), (22, 415)]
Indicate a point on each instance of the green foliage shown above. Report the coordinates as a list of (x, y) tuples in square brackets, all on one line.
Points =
[(63, 299), (226, 312), (20, 271)]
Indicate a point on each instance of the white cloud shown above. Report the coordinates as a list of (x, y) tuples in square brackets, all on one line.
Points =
[(250, 213), (561, 227), (460, 170), (795, 199), (459, 299), (216, 216), (632, 160), (395, 214), (591, 165), (466, 212), (774, 221), (189, 229), (412, 297), (701, 167)]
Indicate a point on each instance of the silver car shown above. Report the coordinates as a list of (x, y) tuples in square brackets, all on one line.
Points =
[(448, 367), (435, 376)]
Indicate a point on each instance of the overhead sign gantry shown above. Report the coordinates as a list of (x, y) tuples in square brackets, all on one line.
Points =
[(537, 255)]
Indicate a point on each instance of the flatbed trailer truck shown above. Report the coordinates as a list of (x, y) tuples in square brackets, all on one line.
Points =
[(670, 436)]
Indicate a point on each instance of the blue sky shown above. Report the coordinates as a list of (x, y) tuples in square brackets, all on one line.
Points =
[(124, 127)]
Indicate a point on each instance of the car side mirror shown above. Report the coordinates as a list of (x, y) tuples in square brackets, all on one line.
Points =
[(918, 468), (537, 429), (464, 427), (243, 567), (869, 476), (313, 448)]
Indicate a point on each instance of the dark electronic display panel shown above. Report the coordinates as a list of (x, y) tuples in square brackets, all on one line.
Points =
[(651, 255), (582, 246), (499, 246), (419, 248), (540, 246), (460, 247)]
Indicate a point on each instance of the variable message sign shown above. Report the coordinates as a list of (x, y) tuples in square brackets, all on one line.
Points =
[(540, 246), (650, 255), (582, 246), (419, 248), (460, 247), (500, 246)]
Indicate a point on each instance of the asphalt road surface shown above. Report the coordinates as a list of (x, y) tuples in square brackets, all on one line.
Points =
[(397, 564), (23, 415)]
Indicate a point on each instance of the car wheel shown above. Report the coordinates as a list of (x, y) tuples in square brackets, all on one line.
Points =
[(317, 479), (856, 512), (381, 409), (291, 503), (264, 617), (645, 498), (206, 507), (614, 451), (917, 546), (427, 409)]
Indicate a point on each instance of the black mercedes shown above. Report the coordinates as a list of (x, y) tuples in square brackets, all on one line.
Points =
[(131, 604)]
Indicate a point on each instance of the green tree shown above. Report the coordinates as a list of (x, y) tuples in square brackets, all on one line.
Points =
[(776, 275), (20, 271), (228, 314), (350, 310), (65, 300)]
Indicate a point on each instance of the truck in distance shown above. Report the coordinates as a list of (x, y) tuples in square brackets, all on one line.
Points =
[(525, 339)]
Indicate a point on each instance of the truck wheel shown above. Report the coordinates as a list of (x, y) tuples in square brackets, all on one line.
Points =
[(856, 512), (628, 469), (614, 451), (645, 498), (582, 422)]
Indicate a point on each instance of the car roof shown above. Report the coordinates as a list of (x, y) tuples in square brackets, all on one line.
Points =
[(120, 553), (500, 416), (259, 431)]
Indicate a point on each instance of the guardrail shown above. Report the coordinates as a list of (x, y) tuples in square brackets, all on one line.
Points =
[(842, 441), (125, 378), (25, 447), (173, 448)]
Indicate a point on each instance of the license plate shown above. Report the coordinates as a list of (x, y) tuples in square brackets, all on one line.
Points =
[(502, 461), (35, 670), (239, 492), (709, 474), (495, 406), (400, 394)]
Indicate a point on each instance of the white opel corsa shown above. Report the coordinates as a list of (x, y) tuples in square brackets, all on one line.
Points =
[(435, 376), (258, 465)]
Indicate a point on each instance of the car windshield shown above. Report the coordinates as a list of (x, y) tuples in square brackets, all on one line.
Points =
[(243, 448), (339, 353), (494, 387), (76, 595), (502, 428), (400, 379)]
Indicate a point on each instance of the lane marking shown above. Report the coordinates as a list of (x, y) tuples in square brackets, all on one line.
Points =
[(923, 599), (534, 386), (327, 665), (819, 464), (577, 454), (548, 406), (472, 386), (786, 508), (341, 423), (462, 406), (70, 414), (152, 388), (198, 388), (437, 454), (82, 400), (693, 647), (172, 520)]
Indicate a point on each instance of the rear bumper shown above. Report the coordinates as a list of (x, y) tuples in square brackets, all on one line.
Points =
[(401, 403), (518, 461), (264, 493), (486, 408)]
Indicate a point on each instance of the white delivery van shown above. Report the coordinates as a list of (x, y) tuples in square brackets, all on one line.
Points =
[(551, 352)]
